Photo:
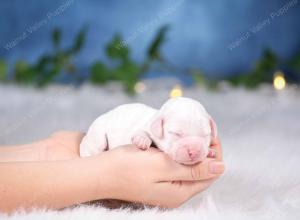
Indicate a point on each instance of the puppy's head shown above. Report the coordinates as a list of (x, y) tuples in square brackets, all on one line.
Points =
[(183, 129)]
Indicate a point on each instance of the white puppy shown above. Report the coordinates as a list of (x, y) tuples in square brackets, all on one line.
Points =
[(181, 128)]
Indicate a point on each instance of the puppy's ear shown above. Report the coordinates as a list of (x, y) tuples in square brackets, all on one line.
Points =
[(213, 127), (157, 127)]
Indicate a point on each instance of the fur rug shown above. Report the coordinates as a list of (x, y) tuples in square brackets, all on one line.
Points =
[(259, 131)]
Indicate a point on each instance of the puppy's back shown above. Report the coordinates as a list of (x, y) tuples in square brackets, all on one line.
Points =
[(124, 120)]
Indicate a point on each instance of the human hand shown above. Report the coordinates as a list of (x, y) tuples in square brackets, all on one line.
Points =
[(149, 177), (62, 145), (152, 178), (125, 173)]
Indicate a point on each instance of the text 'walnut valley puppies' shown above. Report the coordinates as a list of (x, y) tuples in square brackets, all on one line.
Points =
[(181, 128)]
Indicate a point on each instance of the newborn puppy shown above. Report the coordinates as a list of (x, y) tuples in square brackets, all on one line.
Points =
[(181, 128)]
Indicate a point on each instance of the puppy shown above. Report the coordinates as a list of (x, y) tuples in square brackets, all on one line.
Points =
[(181, 128)]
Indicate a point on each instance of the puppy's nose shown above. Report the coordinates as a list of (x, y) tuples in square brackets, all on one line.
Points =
[(195, 148), (189, 150), (193, 153)]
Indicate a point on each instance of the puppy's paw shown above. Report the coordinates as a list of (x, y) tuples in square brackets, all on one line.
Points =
[(142, 141)]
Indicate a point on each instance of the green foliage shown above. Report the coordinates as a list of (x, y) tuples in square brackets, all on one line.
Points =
[(100, 74), (200, 80), (78, 43), (128, 74), (49, 66), (294, 63), (198, 77), (154, 49), (115, 51), (121, 68), (56, 37), (3, 70), (24, 73), (262, 72), (212, 85), (124, 69)]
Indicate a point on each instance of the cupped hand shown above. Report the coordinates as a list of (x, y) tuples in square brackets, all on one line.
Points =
[(149, 177)]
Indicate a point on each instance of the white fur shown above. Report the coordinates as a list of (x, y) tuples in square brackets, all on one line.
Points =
[(117, 127), (183, 122), (259, 131)]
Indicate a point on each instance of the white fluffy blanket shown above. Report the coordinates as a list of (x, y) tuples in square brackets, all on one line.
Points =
[(259, 130)]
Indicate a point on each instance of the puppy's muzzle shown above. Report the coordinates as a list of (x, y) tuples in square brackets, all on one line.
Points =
[(190, 150)]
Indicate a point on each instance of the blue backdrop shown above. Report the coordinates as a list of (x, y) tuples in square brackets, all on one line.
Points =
[(219, 37)]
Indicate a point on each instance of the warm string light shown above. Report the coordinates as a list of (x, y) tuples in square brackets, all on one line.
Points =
[(176, 91), (279, 82), (139, 87)]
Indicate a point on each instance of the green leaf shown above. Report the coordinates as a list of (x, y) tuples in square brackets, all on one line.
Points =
[(128, 74), (267, 62), (100, 74), (294, 63), (50, 66), (238, 79), (198, 77), (154, 49), (79, 41), (116, 50), (48, 76), (43, 63), (24, 73), (56, 37), (262, 72), (3, 70)]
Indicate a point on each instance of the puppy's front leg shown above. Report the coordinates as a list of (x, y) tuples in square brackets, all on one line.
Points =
[(142, 140)]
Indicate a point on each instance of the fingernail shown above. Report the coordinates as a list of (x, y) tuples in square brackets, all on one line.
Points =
[(216, 167)]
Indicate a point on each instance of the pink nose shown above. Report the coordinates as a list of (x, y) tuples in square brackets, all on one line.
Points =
[(190, 149), (193, 153)]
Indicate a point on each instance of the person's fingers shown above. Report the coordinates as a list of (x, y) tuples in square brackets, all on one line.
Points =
[(166, 169), (192, 188), (212, 153), (216, 146), (207, 169), (183, 190)]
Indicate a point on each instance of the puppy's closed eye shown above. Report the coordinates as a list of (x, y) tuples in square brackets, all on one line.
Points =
[(175, 133)]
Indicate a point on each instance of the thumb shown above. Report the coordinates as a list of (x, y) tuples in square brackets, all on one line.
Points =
[(207, 169)]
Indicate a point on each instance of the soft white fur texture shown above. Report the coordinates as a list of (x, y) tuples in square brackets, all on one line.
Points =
[(259, 130)]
